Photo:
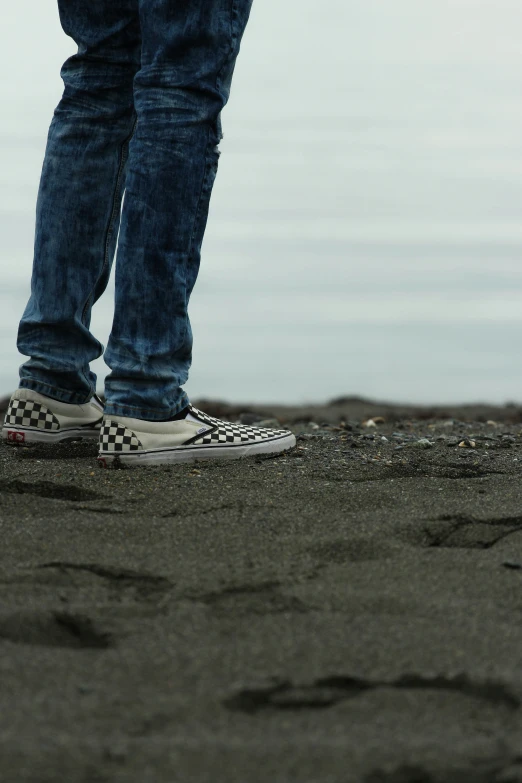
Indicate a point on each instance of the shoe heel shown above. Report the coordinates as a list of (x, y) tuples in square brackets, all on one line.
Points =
[(13, 437)]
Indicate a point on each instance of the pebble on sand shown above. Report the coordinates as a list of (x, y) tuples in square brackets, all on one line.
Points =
[(374, 421), (422, 443)]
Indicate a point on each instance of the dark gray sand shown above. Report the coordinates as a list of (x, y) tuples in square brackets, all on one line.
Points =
[(350, 612)]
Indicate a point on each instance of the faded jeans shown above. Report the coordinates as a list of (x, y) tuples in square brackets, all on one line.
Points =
[(140, 114)]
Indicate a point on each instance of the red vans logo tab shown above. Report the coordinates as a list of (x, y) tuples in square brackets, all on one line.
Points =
[(15, 437)]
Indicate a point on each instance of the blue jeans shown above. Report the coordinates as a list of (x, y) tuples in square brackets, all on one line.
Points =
[(140, 114)]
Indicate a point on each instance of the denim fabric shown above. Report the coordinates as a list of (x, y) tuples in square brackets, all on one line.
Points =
[(140, 114)]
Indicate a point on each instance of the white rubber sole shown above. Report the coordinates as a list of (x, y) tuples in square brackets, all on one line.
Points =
[(193, 453), (19, 436)]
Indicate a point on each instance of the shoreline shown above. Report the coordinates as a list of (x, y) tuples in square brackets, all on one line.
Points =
[(355, 407)]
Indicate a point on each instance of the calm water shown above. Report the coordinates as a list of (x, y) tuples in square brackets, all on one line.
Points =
[(365, 234)]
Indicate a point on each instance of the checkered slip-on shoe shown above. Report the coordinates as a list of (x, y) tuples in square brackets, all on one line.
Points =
[(128, 441), (34, 418)]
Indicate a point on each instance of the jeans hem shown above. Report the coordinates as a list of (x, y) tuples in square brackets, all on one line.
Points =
[(147, 414), (55, 393)]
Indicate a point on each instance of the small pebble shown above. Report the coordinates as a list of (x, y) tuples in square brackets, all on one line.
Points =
[(422, 443), (513, 564), (467, 444)]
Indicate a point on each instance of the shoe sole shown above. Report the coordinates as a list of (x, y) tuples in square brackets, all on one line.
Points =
[(194, 453), (20, 436)]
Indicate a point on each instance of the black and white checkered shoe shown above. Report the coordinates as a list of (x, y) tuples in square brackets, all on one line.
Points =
[(34, 418), (199, 436)]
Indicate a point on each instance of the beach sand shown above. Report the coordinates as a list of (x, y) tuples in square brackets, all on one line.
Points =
[(348, 612)]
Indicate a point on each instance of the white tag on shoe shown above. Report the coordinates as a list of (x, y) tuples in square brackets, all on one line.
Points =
[(203, 428)]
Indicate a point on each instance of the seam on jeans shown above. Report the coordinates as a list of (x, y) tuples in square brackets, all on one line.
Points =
[(121, 166), (198, 205), (214, 126), (233, 19)]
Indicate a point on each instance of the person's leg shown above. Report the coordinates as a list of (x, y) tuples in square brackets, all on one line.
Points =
[(188, 55), (79, 199)]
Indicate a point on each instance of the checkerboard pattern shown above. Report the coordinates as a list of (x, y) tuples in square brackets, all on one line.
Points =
[(225, 432), (26, 413), (116, 437)]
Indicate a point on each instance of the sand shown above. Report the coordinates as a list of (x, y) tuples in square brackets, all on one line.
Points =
[(349, 612)]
